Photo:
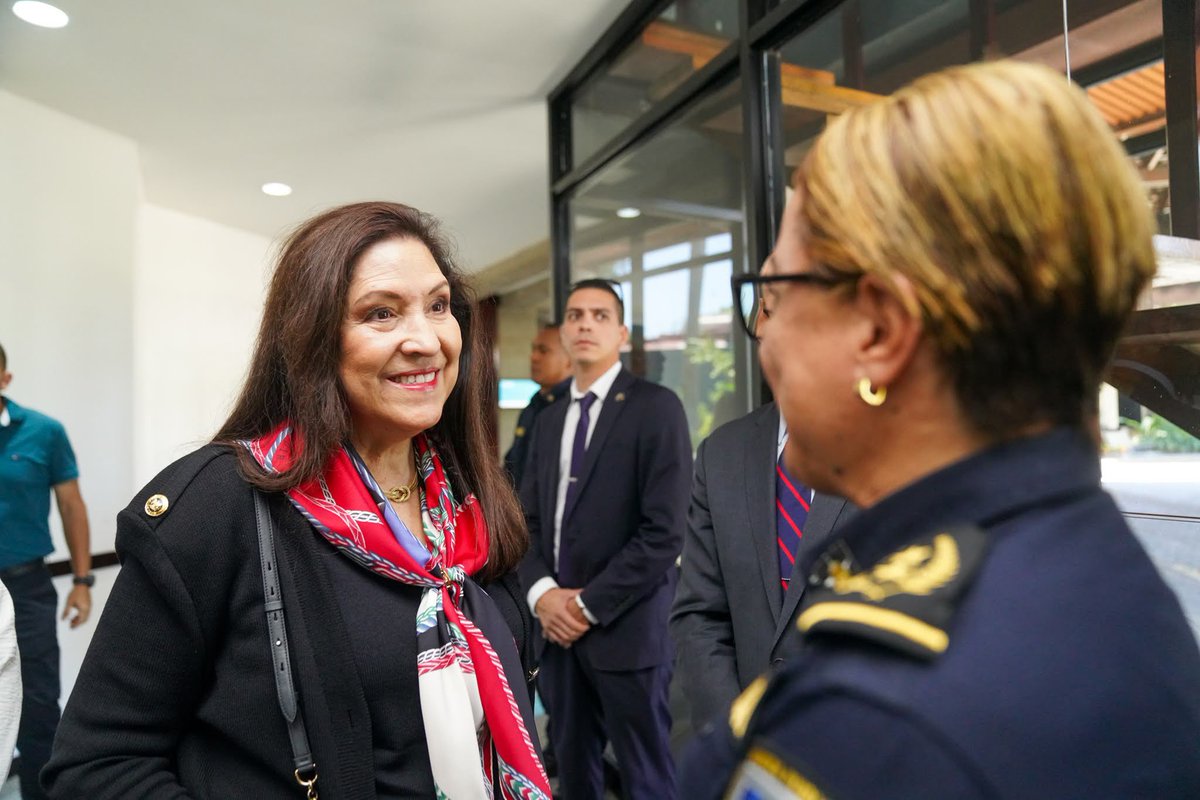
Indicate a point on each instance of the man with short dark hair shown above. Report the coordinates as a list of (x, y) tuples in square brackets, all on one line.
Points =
[(35, 460), (605, 494), (550, 368)]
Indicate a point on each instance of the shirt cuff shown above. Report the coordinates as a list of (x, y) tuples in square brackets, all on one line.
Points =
[(590, 618), (539, 588)]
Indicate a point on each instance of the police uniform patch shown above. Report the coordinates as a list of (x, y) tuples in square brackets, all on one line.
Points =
[(905, 600), (764, 776)]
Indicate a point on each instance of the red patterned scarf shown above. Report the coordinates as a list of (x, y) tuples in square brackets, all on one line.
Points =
[(461, 680)]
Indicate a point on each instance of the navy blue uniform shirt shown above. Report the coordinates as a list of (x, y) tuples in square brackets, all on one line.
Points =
[(992, 630), (518, 454)]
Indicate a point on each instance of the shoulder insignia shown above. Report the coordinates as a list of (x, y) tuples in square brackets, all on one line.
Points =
[(765, 776), (905, 600), (157, 505), (744, 705), (165, 489)]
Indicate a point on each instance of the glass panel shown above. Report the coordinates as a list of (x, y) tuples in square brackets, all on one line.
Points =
[(666, 218), (1150, 421), (872, 47), (863, 50), (1153, 166), (1157, 364), (684, 37), (1130, 94), (717, 244)]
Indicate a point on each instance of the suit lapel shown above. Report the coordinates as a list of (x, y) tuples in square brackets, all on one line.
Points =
[(822, 516), (758, 477), (614, 404)]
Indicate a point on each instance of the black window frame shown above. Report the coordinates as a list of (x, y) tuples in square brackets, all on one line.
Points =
[(763, 26)]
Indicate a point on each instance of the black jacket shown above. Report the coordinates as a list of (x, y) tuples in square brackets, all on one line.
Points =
[(176, 697), (627, 521), (730, 621)]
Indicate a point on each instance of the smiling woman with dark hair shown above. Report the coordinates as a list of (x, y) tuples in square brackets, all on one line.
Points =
[(363, 425)]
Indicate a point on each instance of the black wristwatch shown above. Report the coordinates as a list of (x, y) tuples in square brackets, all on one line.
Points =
[(88, 580)]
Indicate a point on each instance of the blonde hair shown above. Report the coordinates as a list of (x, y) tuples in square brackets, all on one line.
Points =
[(1002, 196)]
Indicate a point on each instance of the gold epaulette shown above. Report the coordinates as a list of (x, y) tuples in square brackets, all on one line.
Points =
[(904, 601)]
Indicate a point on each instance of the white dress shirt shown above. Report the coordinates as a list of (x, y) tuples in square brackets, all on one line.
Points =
[(781, 442), (600, 388)]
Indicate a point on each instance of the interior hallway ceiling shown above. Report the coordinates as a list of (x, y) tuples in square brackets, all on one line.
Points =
[(437, 104)]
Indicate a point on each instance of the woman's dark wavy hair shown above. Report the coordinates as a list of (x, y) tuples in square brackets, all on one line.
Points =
[(294, 370)]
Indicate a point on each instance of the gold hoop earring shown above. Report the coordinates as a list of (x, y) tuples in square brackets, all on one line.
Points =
[(872, 397)]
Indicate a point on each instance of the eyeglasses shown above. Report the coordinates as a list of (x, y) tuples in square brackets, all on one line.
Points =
[(747, 293)]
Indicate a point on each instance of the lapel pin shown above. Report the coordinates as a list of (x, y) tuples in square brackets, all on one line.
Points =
[(620, 397)]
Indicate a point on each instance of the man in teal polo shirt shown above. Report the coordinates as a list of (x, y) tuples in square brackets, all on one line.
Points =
[(35, 459)]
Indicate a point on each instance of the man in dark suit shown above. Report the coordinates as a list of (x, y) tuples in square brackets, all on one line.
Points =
[(749, 526), (605, 495)]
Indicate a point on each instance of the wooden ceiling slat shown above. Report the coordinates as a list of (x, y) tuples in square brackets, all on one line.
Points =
[(1132, 98)]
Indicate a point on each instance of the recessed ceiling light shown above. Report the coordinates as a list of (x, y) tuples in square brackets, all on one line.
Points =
[(276, 189), (629, 212), (43, 15)]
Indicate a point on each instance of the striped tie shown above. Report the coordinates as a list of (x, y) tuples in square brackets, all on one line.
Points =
[(791, 511)]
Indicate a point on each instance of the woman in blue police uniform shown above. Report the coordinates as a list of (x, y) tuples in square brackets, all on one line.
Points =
[(949, 282)]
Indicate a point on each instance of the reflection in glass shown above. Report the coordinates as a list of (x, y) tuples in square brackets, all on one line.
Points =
[(1157, 363), (858, 53), (1150, 421), (685, 36), (666, 256), (669, 319), (677, 256), (720, 243), (1116, 52)]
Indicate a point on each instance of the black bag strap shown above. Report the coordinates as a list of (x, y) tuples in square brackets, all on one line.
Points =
[(285, 687)]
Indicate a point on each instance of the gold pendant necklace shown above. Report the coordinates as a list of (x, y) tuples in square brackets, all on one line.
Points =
[(400, 494)]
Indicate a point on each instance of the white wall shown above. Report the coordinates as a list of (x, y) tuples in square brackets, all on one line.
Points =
[(200, 293), (130, 323), (69, 194)]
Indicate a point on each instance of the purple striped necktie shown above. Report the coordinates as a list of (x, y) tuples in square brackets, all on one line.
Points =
[(791, 512)]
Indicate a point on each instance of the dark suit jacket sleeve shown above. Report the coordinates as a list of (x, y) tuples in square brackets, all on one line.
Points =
[(664, 474), (700, 619), (534, 566)]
